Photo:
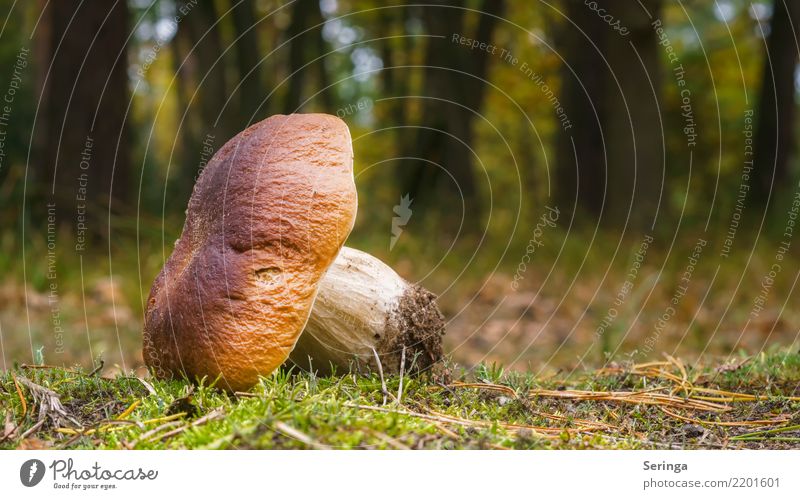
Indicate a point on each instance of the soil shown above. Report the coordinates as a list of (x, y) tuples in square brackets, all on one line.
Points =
[(417, 325)]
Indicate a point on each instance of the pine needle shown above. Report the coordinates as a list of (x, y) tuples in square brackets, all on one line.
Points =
[(21, 397)]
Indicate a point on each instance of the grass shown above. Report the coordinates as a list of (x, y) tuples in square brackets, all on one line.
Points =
[(747, 402)]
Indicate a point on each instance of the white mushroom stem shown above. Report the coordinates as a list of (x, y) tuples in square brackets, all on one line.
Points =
[(363, 307)]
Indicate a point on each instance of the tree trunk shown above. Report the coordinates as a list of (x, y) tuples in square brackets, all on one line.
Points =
[(306, 44), (211, 88), (453, 88), (614, 111), (251, 90), (85, 165), (186, 155), (776, 108), (581, 154), (201, 92), (633, 117), (395, 51)]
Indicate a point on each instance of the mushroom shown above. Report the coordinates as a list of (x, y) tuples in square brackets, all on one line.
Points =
[(365, 310), (266, 219)]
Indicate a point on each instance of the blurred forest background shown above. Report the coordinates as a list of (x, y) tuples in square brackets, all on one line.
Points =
[(580, 181)]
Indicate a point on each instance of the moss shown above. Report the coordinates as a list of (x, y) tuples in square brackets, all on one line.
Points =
[(297, 410)]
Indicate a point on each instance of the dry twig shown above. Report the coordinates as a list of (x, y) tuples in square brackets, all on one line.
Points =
[(49, 403)]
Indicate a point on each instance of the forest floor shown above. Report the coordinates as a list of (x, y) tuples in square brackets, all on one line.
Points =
[(572, 377), (747, 402), (574, 309)]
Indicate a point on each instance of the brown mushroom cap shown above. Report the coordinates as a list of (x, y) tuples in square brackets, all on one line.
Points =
[(266, 219)]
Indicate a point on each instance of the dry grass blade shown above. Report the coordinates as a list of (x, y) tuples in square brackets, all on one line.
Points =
[(584, 423), (106, 425), (487, 386), (211, 416), (146, 435), (119, 424), (245, 395), (164, 419), (127, 412), (298, 435), (98, 368), (656, 363), (380, 372), (659, 370), (392, 442), (540, 431), (647, 397), (21, 397), (588, 425), (9, 428), (726, 396), (148, 386), (49, 403), (447, 431), (753, 422), (402, 373), (33, 429), (683, 382), (679, 365)]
